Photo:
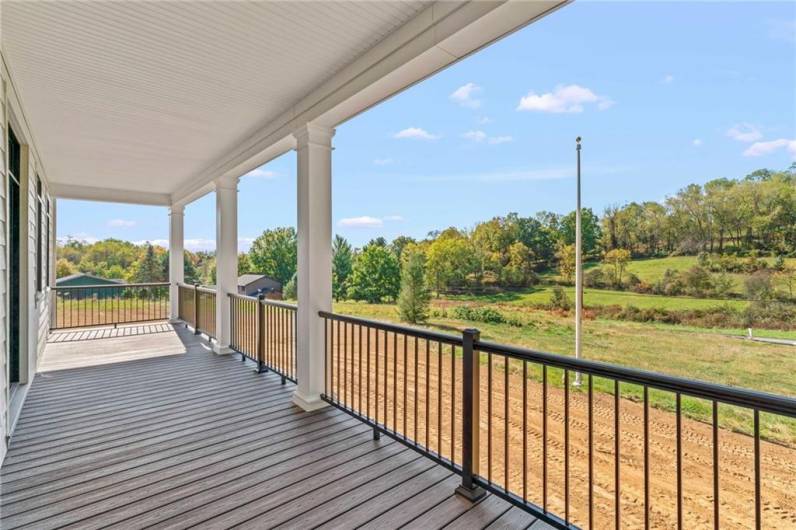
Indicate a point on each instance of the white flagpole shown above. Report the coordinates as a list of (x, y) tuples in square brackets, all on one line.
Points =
[(578, 274)]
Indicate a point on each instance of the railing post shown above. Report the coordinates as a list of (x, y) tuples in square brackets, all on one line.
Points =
[(470, 416), (261, 367), (196, 309)]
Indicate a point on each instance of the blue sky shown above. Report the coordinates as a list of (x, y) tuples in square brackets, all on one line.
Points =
[(663, 94)]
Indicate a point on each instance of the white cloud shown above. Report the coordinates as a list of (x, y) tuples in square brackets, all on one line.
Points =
[(564, 99), (696, 142), (416, 133), (83, 237), (500, 139), (262, 173), (667, 79), (464, 96), (121, 223), (765, 148), (744, 132), (475, 136), (366, 221), (483, 120), (480, 136), (383, 161)]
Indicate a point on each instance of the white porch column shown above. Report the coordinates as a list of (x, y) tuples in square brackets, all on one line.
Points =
[(226, 257), (176, 257), (314, 187)]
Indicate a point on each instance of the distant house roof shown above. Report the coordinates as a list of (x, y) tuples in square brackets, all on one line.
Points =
[(83, 275), (246, 279)]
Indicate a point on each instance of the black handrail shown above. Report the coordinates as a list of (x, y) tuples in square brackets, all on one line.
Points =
[(108, 304), (372, 387), (742, 397)]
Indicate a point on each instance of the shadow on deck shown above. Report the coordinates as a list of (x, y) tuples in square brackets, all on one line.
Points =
[(155, 430)]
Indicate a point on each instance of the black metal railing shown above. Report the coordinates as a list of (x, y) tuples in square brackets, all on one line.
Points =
[(101, 305), (265, 332), (624, 446), (196, 306)]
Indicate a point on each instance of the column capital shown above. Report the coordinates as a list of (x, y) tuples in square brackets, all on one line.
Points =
[(226, 183), (313, 134), (177, 209)]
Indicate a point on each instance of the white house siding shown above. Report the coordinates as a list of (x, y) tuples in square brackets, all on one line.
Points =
[(34, 321), (3, 185)]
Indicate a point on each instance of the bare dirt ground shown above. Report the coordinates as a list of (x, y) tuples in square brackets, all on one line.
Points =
[(427, 401)]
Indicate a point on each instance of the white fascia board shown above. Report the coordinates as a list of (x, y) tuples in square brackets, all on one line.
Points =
[(440, 35), (89, 193)]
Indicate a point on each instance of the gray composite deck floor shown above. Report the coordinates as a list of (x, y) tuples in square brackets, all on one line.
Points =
[(181, 437)]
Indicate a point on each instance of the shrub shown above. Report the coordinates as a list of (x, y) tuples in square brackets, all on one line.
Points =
[(759, 287), (697, 281), (478, 314), (559, 299), (670, 284), (595, 278)]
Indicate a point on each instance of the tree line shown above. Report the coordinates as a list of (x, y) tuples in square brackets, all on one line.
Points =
[(754, 215)]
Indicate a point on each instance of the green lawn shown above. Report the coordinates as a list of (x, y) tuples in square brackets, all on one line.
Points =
[(593, 297), (687, 352), (651, 270)]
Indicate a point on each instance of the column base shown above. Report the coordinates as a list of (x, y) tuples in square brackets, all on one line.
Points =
[(175, 321), (471, 494), (308, 404), (222, 350)]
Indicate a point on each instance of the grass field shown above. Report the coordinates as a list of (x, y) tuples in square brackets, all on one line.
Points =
[(698, 354), (535, 296), (651, 270)]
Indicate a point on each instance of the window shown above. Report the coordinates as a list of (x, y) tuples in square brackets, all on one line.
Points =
[(47, 244), (39, 238)]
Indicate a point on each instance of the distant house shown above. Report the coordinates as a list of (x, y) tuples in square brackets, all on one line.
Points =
[(87, 281), (256, 284)]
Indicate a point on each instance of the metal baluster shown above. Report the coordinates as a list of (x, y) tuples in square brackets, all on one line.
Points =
[(618, 508), (758, 510), (544, 437), (566, 445), (715, 464)]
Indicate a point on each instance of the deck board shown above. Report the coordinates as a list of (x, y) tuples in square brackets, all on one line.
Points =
[(145, 427)]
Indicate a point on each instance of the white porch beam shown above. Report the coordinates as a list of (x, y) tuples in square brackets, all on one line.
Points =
[(176, 257), (314, 190), (89, 193), (226, 257)]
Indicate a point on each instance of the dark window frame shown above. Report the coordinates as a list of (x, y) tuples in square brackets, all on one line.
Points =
[(39, 237)]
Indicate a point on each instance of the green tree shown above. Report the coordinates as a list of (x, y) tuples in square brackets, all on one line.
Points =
[(450, 260), (414, 298), (590, 230), (618, 259), (375, 276), (398, 244), (342, 264), (148, 269), (244, 264), (274, 253), (518, 272), (566, 262), (290, 290), (64, 267)]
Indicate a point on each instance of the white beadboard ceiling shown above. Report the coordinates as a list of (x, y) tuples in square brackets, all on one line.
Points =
[(141, 96)]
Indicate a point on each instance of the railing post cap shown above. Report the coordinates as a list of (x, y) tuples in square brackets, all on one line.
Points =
[(474, 333), (261, 297)]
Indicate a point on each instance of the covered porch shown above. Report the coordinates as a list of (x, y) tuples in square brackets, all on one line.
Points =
[(151, 428)]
